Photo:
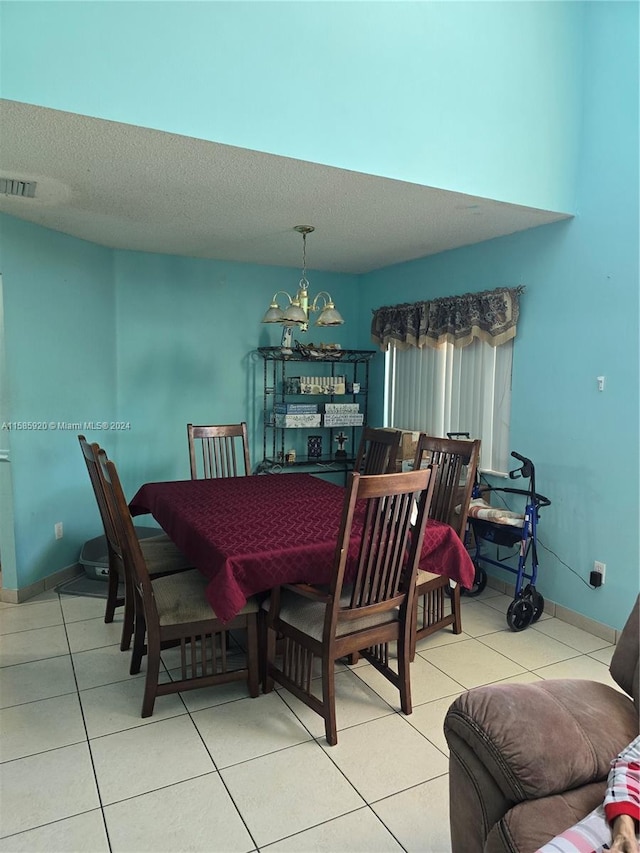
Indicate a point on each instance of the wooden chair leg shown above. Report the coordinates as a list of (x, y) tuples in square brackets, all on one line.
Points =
[(414, 629), (151, 682), (138, 641), (455, 609), (329, 701), (112, 595), (253, 678), (129, 615), (404, 663), (268, 656)]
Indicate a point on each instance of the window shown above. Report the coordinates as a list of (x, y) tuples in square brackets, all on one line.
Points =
[(445, 389)]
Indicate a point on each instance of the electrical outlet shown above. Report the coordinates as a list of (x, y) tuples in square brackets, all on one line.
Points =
[(58, 530), (601, 569)]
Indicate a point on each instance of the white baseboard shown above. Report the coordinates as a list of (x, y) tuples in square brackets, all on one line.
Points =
[(598, 629), (19, 596)]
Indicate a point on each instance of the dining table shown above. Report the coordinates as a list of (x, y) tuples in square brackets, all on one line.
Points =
[(250, 534)]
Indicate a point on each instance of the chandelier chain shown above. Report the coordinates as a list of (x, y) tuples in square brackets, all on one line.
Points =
[(304, 257)]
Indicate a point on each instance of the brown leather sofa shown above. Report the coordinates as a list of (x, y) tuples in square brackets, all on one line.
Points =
[(527, 761)]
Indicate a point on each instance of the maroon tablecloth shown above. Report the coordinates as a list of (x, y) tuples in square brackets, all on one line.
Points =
[(249, 534)]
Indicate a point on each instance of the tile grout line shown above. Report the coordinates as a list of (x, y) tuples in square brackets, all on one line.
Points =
[(86, 731), (312, 738), (218, 771)]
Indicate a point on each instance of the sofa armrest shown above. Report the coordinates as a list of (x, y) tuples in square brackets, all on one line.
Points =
[(625, 664), (543, 738), (512, 743), (476, 803), (546, 737)]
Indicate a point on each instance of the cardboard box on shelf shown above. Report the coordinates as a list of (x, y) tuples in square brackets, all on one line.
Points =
[(407, 449)]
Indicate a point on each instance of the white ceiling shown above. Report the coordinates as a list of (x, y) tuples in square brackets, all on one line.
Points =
[(129, 187)]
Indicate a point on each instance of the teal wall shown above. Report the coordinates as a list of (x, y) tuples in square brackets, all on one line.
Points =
[(154, 341), (579, 320), (59, 314), (157, 340), (479, 97), (187, 334)]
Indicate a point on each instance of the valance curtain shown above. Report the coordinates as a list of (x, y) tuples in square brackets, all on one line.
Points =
[(490, 316)]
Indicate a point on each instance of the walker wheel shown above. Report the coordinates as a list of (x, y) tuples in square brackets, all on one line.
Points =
[(531, 593), (520, 614), (479, 583), (538, 606)]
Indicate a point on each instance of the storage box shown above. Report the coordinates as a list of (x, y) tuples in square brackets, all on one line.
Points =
[(341, 408), (300, 420), (295, 408), (348, 419), (315, 385), (407, 450)]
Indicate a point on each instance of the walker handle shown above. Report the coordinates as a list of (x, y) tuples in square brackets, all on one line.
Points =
[(527, 467)]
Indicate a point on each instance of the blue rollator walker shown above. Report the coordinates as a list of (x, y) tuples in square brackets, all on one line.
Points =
[(528, 604)]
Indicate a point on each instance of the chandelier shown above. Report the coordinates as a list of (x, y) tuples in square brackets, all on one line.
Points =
[(296, 313)]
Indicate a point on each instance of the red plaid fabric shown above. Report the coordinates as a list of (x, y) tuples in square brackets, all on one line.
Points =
[(593, 834), (623, 785)]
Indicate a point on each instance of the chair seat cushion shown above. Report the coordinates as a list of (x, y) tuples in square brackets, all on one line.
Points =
[(308, 616), (428, 577), (162, 555), (181, 598)]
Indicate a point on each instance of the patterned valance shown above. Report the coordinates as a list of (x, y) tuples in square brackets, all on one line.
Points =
[(490, 316)]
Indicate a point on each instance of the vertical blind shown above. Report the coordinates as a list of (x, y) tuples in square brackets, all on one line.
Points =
[(445, 389)]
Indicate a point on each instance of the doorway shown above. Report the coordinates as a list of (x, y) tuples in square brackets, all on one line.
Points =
[(8, 572)]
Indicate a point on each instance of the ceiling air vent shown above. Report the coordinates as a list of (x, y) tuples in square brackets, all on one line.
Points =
[(12, 186)]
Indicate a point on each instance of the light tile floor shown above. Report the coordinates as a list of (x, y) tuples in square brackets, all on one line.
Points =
[(214, 770)]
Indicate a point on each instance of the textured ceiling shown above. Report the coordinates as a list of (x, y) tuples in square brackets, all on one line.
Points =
[(130, 187)]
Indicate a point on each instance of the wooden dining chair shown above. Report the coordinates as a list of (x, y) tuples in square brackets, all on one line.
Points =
[(457, 462), (224, 450), (378, 451), (377, 454), (378, 549), (161, 554), (175, 612)]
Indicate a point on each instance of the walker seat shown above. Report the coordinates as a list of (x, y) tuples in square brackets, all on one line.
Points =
[(479, 508)]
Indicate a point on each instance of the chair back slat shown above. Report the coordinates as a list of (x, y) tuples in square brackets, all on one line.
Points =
[(224, 450), (456, 459), (383, 546), (377, 451)]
